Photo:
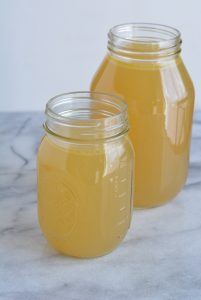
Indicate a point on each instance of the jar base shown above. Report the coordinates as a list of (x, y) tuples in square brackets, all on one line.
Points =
[(84, 256), (76, 254), (173, 196)]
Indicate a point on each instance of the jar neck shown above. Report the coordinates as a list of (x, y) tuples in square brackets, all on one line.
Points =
[(86, 116), (144, 42)]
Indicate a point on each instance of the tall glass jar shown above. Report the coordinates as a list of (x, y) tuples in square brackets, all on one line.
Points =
[(85, 174), (143, 65)]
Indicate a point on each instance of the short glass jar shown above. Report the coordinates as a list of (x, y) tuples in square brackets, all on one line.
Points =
[(85, 174), (144, 67)]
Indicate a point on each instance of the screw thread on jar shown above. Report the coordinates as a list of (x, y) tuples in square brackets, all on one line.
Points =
[(144, 41), (86, 116)]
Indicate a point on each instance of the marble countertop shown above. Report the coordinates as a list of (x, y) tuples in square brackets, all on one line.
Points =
[(159, 259)]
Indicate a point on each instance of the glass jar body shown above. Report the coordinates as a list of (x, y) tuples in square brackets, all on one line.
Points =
[(85, 194), (160, 97)]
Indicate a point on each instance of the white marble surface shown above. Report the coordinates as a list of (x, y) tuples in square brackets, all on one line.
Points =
[(159, 259)]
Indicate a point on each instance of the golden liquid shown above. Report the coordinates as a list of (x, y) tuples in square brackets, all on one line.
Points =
[(160, 100), (84, 194)]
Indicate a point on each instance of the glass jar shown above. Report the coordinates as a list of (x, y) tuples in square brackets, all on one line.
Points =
[(143, 65), (85, 174)]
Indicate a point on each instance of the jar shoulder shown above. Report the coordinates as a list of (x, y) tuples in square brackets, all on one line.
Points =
[(184, 73), (131, 79), (57, 151)]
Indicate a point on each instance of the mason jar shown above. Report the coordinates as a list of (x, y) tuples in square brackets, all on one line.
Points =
[(85, 174), (144, 66)]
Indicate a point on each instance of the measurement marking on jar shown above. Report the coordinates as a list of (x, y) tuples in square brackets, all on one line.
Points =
[(122, 194), (122, 208), (124, 179), (120, 223)]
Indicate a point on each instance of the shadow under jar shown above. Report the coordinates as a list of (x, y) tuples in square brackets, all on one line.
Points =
[(144, 66), (85, 174)]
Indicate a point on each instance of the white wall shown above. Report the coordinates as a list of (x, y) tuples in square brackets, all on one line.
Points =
[(53, 46)]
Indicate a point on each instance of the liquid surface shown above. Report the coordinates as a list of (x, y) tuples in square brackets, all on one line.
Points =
[(160, 100), (84, 193)]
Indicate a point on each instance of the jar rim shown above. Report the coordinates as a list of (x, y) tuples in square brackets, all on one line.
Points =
[(144, 41), (173, 33), (83, 114), (80, 94)]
